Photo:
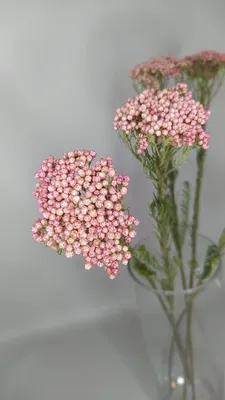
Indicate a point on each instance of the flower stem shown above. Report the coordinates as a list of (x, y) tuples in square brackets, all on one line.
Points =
[(189, 346), (161, 216), (176, 336), (201, 156), (175, 226)]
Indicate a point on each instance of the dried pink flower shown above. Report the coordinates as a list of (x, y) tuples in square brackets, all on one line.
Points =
[(151, 73), (206, 64), (82, 210), (170, 116)]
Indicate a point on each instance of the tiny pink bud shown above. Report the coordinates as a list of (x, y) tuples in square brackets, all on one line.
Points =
[(108, 204), (87, 266), (76, 199), (112, 172)]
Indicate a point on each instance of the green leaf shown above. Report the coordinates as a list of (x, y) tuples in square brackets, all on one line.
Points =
[(141, 268), (143, 252), (145, 261), (185, 206), (144, 256), (153, 208), (211, 260), (221, 244), (179, 161)]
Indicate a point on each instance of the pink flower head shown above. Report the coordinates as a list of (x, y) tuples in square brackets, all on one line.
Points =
[(150, 73), (82, 210), (170, 116), (206, 64)]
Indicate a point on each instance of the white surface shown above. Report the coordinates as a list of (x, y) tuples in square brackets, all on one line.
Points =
[(90, 362), (63, 72), (101, 359)]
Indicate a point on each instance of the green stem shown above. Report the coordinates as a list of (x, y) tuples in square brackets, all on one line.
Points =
[(188, 353), (189, 347), (175, 227), (162, 223), (172, 320), (201, 156), (172, 180)]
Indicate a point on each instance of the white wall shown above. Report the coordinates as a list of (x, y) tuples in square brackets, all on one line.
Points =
[(63, 72)]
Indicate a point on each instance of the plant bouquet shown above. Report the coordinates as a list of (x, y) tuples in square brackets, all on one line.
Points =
[(160, 127), (83, 209)]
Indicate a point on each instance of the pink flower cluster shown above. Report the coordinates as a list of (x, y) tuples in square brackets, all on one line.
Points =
[(171, 115), (155, 72), (205, 63), (150, 72), (82, 210), (209, 55)]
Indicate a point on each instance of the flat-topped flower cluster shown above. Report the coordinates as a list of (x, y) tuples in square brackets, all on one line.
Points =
[(82, 210)]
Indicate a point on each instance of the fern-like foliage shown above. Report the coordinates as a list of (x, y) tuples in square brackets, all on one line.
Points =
[(143, 264), (221, 244), (211, 261), (213, 257)]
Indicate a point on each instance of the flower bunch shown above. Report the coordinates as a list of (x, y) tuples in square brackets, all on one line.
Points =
[(152, 73), (82, 210), (206, 64), (203, 72), (160, 127), (170, 116)]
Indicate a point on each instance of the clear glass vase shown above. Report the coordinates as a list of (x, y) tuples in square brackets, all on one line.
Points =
[(183, 333)]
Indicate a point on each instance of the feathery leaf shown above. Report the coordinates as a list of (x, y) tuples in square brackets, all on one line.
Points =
[(211, 260), (221, 244)]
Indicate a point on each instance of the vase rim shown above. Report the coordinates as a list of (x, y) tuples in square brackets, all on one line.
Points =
[(188, 291)]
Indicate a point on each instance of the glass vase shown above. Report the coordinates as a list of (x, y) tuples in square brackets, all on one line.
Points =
[(183, 333)]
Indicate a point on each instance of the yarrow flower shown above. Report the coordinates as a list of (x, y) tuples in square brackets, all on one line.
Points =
[(170, 116), (206, 64), (152, 72), (157, 73), (82, 210)]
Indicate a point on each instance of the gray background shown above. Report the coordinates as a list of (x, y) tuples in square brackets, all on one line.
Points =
[(63, 72)]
